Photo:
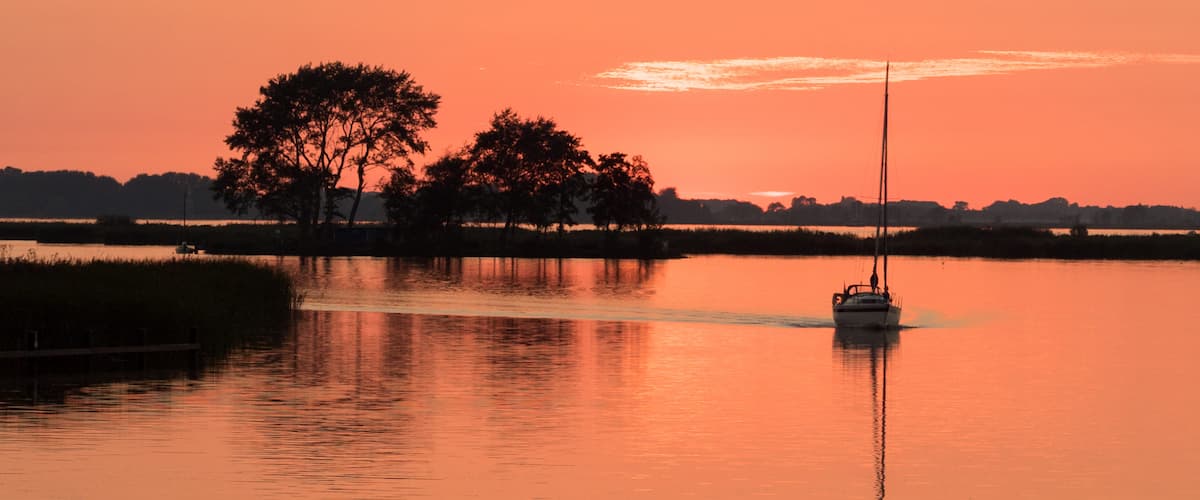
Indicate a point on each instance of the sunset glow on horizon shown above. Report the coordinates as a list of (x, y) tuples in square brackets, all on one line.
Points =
[(761, 101)]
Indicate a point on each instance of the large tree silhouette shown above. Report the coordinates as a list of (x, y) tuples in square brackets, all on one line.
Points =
[(450, 191), (622, 194), (399, 198), (533, 168), (310, 128)]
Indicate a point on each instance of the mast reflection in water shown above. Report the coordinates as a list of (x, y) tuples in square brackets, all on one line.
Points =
[(870, 349)]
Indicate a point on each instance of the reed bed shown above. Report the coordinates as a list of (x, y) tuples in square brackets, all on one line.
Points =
[(1027, 243), (128, 301), (948, 241), (741, 242)]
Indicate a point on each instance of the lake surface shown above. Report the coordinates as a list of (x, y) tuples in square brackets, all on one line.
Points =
[(707, 377)]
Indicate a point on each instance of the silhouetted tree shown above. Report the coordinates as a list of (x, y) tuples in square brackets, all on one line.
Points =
[(776, 213), (60, 193), (1134, 215), (449, 192), (739, 212), (531, 167), (84, 195), (399, 198), (622, 194), (682, 211), (309, 127), (443, 199), (163, 196)]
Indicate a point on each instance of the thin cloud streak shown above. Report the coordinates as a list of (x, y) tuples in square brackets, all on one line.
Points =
[(813, 73), (773, 194)]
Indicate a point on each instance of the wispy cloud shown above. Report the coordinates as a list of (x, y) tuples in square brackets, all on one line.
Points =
[(811, 73), (773, 194)]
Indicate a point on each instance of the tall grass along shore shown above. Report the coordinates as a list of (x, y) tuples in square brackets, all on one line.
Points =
[(69, 302), (948, 241)]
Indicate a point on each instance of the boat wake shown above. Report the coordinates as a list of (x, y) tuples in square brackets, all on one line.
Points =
[(569, 311)]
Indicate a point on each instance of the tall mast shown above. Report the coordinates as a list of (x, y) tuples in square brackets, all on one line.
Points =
[(881, 223), (884, 172)]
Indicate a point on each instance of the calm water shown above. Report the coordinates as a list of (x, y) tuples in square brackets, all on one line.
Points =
[(709, 377)]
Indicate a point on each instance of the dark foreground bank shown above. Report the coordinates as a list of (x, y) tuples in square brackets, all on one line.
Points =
[(956, 241), (71, 303)]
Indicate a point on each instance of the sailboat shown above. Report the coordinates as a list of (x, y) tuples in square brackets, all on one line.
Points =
[(870, 305), (184, 248)]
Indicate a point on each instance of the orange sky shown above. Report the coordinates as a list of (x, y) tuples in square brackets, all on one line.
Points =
[(1101, 106)]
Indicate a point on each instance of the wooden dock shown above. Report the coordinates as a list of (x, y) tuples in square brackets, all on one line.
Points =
[(30, 348), (90, 351)]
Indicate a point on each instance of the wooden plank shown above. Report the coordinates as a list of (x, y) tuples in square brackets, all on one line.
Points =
[(89, 351)]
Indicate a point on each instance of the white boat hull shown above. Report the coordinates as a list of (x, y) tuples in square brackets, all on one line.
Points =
[(879, 318)]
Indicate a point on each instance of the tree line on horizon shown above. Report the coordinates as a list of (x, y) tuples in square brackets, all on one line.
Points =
[(85, 195), (74, 194), (849, 211)]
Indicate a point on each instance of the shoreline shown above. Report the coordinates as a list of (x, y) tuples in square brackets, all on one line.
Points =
[(380, 241)]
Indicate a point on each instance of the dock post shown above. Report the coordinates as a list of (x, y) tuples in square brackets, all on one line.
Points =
[(194, 338), (89, 341), (143, 333), (33, 363)]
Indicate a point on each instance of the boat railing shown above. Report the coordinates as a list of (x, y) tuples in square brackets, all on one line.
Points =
[(863, 288), (850, 290)]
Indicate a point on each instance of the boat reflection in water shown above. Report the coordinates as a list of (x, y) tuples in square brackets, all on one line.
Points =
[(870, 349)]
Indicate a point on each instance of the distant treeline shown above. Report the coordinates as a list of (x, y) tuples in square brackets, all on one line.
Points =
[(68, 194), (85, 195), (805, 211)]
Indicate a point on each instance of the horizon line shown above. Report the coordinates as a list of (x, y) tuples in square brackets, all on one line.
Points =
[(715, 195)]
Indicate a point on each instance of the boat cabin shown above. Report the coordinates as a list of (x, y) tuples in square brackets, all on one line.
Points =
[(862, 294)]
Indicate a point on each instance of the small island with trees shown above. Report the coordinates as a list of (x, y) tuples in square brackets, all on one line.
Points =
[(312, 130)]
